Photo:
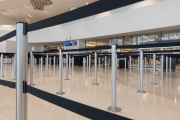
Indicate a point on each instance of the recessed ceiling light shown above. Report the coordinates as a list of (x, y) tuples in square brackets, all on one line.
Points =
[(9, 10), (29, 15), (4, 13), (87, 3), (28, 20), (26, 6), (45, 12)]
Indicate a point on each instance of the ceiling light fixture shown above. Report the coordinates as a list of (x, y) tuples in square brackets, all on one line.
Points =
[(26, 6), (45, 12), (40, 4), (9, 10), (28, 20), (29, 15), (87, 3)]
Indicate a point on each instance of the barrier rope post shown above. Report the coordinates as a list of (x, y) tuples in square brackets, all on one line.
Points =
[(145, 64), (125, 64), (41, 63), (170, 66), (2, 66), (105, 65), (14, 67), (12, 63), (6, 63), (130, 65), (95, 69), (21, 54), (154, 69), (89, 65), (138, 65), (113, 107), (72, 63), (54, 64), (31, 66), (66, 66), (166, 66), (141, 73), (47, 66), (117, 67), (69, 64), (60, 73), (162, 66), (99, 63)]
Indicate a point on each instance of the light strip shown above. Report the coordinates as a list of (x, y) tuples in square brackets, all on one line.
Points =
[(29, 15), (28, 20), (9, 10), (45, 12), (26, 6)]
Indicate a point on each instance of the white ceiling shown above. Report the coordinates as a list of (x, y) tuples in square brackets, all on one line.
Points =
[(16, 9)]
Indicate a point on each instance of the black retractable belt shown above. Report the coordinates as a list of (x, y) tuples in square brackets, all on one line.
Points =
[(8, 83)]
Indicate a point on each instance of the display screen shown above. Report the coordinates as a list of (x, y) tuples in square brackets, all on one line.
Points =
[(70, 43)]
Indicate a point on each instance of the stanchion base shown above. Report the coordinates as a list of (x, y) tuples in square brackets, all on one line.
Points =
[(66, 79), (141, 91), (95, 83), (154, 83), (114, 110), (60, 93)]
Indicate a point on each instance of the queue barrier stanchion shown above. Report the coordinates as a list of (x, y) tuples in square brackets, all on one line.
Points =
[(138, 65), (141, 73), (130, 66), (89, 65), (72, 63), (31, 67), (54, 64), (170, 66), (95, 69), (105, 65), (69, 64), (66, 67), (113, 107), (166, 66), (162, 66), (99, 61), (2, 66), (60, 92), (47, 66), (154, 69)]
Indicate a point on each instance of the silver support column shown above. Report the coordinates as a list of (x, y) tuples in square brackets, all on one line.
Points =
[(170, 66), (60, 92), (113, 107), (141, 73), (162, 66), (2, 66), (154, 69), (105, 65), (69, 64), (21, 73), (66, 67), (130, 66), (89, 65), (72, 63), (54, 64), (138, 65), (95, 69), (31, 67), (166, 66), (47, 66)]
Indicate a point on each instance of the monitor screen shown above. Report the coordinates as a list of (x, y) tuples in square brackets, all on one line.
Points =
[(70, 43)]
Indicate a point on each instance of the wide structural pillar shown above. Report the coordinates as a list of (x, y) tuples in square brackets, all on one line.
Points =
[(113, 107), (21, 70)]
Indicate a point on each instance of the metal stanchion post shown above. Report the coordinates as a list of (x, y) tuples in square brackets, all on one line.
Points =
[(47, 66), (145, 64), (69, 64), (125, 64), (54, 64), (12, 63), (89, 65), (129, 65), (66, 66), (170, 66), (113, 107), (166, 66), (14, 67), (105, 65), (141, 73), (21, 54), (138, 65), (154, 69), (72, 63), (95, 69), (60, 92), (2, 66), (41, 63), (31, 67), (99, 63), (6, 63), (117, 67), (162, 66)]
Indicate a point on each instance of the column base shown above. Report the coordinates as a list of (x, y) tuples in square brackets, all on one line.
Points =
[(141, 91), (117, 109), (95, 83), (60, 93)]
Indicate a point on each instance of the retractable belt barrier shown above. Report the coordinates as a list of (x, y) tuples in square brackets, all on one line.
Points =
[(79, 108)]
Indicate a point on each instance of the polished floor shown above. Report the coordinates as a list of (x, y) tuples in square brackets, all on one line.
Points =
[(160, 102)]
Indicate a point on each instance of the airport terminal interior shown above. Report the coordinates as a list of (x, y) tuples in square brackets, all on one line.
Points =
[(89, 60)]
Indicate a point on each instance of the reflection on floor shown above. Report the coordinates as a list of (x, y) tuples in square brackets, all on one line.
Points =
[(160, 102)]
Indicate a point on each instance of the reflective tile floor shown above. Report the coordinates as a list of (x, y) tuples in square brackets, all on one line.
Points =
[(160, 102)]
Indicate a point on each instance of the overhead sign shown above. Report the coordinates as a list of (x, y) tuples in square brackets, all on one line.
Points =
[(70, 43)]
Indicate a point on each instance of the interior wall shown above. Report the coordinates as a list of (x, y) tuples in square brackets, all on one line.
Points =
[(10, 46), (3, 46)]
